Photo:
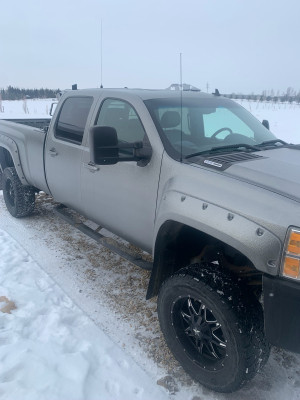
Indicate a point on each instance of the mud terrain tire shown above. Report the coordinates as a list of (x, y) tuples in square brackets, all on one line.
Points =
[(19, 199), (214, 326)]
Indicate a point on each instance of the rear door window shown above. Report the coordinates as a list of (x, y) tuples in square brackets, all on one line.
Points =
[(72, 119)]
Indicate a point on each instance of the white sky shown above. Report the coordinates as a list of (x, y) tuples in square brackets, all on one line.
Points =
[(234, 45)]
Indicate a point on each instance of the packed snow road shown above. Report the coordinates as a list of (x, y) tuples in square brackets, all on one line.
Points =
[(77, 325)]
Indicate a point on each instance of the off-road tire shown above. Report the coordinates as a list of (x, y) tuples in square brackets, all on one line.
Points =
[(19, 199), (214, 326)]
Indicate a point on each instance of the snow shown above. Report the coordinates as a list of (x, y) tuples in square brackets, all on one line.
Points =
[(30, 108), (50, 349), (74, 323), (284, 118)]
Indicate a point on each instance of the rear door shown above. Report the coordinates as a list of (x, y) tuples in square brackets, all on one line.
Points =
[(63, 150)]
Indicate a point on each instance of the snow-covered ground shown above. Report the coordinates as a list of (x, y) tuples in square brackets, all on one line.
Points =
[(31, 108), (284, 118), (49, 348), (75, 324)]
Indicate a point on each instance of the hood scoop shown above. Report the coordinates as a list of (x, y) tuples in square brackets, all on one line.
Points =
[(224, 161)]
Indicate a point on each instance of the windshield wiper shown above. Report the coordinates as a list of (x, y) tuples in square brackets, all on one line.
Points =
[(227, 147), (271, 142)]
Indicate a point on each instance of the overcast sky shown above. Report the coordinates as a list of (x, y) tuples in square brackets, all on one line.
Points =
[(240, 46)]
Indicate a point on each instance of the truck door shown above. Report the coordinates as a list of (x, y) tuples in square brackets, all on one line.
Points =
[(63, 150), (122, 197)]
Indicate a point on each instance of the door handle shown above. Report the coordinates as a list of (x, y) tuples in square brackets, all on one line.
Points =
[(91, 167), (53, 152)]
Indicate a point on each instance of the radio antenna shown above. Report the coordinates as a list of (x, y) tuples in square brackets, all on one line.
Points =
[(181, 90), (101, 66)]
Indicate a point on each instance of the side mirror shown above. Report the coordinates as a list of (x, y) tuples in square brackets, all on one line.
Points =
[(104, 145), (52, 108), (107, 150), (266, 124)]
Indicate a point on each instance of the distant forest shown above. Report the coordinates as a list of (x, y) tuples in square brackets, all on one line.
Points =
[(13, 93), (290, 95)]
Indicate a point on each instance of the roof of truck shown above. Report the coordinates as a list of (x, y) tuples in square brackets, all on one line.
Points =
[(144, 94)]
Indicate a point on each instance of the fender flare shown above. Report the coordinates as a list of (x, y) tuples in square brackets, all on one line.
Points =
[(11, 146), (258, 244)]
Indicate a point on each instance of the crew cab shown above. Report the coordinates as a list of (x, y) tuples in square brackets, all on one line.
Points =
[(198, 182)]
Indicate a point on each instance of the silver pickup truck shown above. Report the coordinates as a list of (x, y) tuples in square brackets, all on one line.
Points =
[(198, 182)]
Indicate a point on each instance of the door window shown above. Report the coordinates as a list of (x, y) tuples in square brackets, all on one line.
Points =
[(122, 116), (72, 119)]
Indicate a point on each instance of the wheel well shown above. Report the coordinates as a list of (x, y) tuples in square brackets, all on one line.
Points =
[(5, 159), (179, 245)]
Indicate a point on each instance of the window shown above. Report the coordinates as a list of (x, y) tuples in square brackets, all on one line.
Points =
[(72, 119), (199, 124), (122, 116)]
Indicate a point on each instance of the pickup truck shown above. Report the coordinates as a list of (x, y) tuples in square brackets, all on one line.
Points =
[(202, 185)]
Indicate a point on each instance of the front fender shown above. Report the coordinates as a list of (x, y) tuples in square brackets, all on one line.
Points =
[(257, 243)]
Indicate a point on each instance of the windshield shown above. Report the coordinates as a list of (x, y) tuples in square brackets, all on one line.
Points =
[(202, 124)]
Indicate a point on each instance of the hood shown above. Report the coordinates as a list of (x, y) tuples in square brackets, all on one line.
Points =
[(277, 170)]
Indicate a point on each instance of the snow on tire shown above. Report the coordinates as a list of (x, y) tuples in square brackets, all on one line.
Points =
[(19, 199), (213, 326)]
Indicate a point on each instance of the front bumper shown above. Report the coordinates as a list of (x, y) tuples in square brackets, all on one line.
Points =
[(282, 312)]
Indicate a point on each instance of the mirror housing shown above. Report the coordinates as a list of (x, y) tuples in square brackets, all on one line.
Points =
[(104, 145), (105, 148), (266, 124), (53, 108)]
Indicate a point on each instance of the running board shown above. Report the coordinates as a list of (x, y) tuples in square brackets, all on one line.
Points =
[(105, 241)]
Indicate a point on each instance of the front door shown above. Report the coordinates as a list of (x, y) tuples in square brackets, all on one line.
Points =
[(122, 197)]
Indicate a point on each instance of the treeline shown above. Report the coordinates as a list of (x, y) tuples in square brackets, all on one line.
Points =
[(13, 93), (289, 96)]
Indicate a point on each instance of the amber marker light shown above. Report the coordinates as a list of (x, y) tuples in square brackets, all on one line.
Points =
[(291, 256), (293, 245), (291, 267)]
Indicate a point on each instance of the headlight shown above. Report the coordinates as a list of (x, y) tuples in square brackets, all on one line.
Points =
[(291, 256)]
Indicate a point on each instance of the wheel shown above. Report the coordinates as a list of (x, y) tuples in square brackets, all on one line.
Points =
[(213, 327), (19, 199), (1, 178)]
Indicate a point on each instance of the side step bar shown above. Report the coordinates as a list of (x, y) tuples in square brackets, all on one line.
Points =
[(108, 243)]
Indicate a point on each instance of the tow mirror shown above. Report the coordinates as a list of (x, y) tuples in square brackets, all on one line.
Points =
[(52, 108), (266, 124), (106, 149), (104, 145)]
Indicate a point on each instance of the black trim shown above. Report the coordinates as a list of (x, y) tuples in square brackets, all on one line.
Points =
[(282, 316)]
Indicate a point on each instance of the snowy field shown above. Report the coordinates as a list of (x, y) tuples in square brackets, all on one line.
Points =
[(284, 118), (34, 108), (74, 323)]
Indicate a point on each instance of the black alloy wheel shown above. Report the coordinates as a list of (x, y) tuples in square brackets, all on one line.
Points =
[(199, 332)]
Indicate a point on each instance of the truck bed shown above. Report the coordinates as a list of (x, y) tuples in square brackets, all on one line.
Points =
[(26, 146)]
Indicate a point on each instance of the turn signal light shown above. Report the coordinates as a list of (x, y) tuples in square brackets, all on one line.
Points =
[(294, 243), (291, 257)]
